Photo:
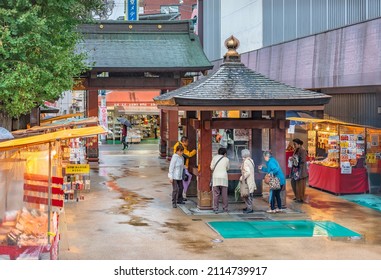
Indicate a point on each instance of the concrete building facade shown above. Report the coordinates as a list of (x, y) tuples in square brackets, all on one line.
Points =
[(330, 46)]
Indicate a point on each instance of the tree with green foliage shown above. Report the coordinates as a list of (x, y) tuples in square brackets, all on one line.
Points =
[(38, 60)]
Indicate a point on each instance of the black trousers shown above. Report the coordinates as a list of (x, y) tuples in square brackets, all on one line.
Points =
[(177, 192)]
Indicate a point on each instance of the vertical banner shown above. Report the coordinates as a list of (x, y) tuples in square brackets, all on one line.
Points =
[(132, 9), (102, 115)]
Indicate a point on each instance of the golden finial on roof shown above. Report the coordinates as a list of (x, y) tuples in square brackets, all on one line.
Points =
[(232, 44)]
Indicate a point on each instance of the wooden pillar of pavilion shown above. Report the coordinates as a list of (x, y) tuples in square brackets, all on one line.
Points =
[(92, 150), (163, 133), (204, 192), (191, 133), (278, 144), (172, 128), (256, 146)]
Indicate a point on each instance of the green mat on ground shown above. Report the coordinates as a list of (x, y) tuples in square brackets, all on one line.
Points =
[(268, 229), (150, 141), (367, 200)]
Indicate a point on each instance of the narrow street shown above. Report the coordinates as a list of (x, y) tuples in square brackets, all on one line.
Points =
[(127, 215)]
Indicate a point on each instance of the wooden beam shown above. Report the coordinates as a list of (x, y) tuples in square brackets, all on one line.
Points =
[(132, 82), (225, 123), (195, 123), (242, 108), (183, 121)]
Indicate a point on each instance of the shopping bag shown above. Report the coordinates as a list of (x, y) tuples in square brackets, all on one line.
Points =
[(244, 188), (274, 182)]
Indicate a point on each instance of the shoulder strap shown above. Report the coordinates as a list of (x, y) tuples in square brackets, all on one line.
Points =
[(252, 162), (217, 163)]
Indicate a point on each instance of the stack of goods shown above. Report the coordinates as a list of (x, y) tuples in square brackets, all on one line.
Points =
[(28, 228), (326, 162)]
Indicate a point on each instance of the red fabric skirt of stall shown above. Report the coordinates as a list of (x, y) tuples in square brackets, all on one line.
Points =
[(330, 179)]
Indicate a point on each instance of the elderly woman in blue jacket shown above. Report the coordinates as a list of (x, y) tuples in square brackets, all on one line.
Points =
[(272, 166)]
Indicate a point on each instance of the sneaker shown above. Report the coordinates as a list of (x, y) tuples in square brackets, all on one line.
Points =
[(174, 206), (248, 211), (215, 211), (270, 211), (180, 202), (278, 210)]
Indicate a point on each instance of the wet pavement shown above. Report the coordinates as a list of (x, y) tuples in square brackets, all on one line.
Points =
[(128, 215)]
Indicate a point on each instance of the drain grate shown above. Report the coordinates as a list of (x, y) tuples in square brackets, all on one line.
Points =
[(257, 219)]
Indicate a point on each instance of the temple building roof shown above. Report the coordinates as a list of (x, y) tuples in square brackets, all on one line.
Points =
[(143, 45)]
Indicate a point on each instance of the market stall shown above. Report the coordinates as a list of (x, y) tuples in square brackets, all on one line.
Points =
[(344, 155), (32, 194)]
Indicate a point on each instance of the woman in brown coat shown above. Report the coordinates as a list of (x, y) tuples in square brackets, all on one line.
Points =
[(299, 171)]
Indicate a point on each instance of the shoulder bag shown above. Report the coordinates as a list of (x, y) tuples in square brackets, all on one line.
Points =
[(243, 186), (274, 182)]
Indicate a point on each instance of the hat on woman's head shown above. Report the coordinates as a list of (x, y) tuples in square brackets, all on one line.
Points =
[(298, 141)]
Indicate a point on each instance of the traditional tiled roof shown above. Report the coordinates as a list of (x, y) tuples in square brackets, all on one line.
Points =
[(146, 45), (236, 85)]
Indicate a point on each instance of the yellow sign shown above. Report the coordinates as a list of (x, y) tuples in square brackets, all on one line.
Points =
[(77, 168)]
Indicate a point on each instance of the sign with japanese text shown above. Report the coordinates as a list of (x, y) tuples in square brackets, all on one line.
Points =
[(103, 116), (77, 168), (346, 167), (132, 9)]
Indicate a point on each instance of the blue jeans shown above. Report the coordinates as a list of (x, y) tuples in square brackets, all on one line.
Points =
[(275, 194)]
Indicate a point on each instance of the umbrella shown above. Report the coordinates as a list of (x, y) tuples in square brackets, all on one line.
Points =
[(124, 121), (5, 134)]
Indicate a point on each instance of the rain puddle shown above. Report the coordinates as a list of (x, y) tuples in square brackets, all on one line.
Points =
[(131, 201), (135, 221), (176, 226), (196, 246)]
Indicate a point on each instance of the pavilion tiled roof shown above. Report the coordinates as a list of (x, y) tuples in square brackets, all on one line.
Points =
[(236, 85)]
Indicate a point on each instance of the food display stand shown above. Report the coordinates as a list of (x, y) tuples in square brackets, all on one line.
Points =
[(31, 193), (330, 179), (347, 153), (31, 204)]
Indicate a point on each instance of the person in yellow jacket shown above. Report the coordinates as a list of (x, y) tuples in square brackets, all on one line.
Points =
[(187, 154)]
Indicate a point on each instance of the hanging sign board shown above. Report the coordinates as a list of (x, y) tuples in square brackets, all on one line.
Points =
[(132, 10), (77, 168)]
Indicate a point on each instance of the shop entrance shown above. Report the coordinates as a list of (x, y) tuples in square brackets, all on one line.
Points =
[(136, 108)]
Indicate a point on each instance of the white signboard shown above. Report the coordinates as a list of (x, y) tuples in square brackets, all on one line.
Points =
[(291, 129), (103, 118), (346, 167)]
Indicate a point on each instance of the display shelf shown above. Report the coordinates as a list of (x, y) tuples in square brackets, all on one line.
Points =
[(333, 148), (311, 143), (74, 154)]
